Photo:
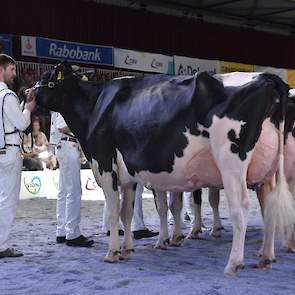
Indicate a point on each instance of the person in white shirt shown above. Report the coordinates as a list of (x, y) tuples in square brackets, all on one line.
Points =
[(69, 196), (12, 121)]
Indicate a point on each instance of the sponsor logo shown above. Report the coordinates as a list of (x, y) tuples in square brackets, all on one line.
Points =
[(91, 184), (130, 61), (156, 64), (74, 53), (33, 185), (28, 44), (189, 70)]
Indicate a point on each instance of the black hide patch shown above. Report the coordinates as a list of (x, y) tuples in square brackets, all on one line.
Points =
[(115, 181), (197, 195)]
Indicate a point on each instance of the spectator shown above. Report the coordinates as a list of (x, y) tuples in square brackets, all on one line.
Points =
[(30, 157)]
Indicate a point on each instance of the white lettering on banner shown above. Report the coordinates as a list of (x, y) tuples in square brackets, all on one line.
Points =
[(130, 61), (77, 53)]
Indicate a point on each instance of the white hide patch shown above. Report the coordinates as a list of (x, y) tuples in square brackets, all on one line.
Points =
[(95, 171), (237, 78), (105, 177), (221, 144)]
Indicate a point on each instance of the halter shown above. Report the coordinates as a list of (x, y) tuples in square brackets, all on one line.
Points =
[(51, 84)]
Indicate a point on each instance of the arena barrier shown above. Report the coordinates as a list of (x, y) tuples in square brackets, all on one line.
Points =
[(44, 184)]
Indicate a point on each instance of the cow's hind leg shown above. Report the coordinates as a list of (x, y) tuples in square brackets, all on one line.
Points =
[(175, 206), (290, 241), (217, 227), (162, 208), (196, 227), (238, 202), (267, 250), (127, 206)]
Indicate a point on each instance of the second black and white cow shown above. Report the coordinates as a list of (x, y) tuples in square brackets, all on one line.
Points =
[(171, 133)]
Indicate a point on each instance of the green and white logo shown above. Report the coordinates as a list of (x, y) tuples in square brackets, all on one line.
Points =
[(32, 184)]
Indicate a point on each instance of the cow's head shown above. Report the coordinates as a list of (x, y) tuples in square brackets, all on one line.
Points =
[(50, 90)]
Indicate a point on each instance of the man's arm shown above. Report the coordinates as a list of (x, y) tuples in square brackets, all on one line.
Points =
[(21, 120)]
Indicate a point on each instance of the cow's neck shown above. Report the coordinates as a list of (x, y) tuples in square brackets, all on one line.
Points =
[(76, 113)]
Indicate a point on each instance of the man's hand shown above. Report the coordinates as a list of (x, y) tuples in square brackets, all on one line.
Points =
[(31, 101)]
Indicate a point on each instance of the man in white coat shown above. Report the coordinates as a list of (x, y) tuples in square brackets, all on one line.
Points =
[(69, 196), (12, 121)]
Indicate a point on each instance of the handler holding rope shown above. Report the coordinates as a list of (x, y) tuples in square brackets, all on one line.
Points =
[(12, 121)]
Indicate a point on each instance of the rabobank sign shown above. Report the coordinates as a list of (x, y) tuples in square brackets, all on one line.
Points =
[(78, 52)]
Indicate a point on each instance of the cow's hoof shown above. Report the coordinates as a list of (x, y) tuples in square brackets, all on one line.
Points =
[(265, 264), (112, 256), (232, 270), (177, 240), (162, 244), (216, 232), (126, 254), (193, 235)]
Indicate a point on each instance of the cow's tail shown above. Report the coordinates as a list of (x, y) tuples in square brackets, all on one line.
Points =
[(279, 204)]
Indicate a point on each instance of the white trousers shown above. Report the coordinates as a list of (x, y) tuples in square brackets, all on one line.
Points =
[(137, 220), (10, 178), (69, 197)]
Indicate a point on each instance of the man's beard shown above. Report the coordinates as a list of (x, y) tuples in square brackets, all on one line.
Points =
[(10, 83)]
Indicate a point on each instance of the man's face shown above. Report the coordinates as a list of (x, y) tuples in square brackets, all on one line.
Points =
[(9, 73)]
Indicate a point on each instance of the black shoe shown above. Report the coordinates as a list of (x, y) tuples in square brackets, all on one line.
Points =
[(10, 252), (81, 241), (144, 233), (60, 240), (120, 232)]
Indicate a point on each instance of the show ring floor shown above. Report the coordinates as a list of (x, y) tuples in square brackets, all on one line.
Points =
[(195, 268)]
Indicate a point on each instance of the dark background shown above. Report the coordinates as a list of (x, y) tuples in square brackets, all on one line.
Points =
[(89, 22)]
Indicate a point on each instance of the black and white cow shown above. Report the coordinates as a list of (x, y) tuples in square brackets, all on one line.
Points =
[(171, 133)]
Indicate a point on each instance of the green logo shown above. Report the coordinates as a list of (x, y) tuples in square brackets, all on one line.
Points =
[(33, 185)]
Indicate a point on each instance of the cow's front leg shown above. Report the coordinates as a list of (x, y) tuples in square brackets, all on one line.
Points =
[(109, 185), (162, 208), (214, 203), (196, 225), (126, 217), (175, 206)]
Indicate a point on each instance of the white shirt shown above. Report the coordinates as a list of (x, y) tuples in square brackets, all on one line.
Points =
[(57, 122), (13, 117)]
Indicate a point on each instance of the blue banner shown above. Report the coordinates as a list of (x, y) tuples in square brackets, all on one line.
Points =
[(6, 44), (78, 52)]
